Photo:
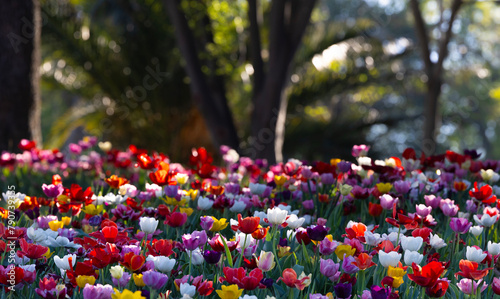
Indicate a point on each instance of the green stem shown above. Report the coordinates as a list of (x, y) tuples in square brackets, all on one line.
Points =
[(274, 249), (228, 253), (242, 251)]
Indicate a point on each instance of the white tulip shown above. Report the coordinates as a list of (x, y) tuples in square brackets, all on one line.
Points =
[(389, 259), (476, 230), (63, 263), (486, 220), (294, 221), (411, 243), (162, 263), (148, 224), (187, 289), (205, 203), (436, 242), (412, 257), (474, 254), (493, 248), (238, 206), (276, 216)]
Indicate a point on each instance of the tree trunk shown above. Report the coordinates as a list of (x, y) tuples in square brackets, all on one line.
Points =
[(211, 103), (431, 115), (20, 28)]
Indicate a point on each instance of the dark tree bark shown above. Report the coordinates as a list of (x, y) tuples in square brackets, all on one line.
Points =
[(20, 28), (208, 98), (433, 70), (288, 21)]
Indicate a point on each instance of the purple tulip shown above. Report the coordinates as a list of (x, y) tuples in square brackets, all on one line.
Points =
[(344, 166), (153, 279), (343, 290), (327, 179), (348, 266), (327, 247), (448, 207), (206, 222), (379, 292), (123, 281), (330, 269), (98, 291), (402, 187), (194, 240), (432, 201), (53, 191), (317, 232), (211, 256), (460, 225), (423, 210), (387, 202), (171, 190)]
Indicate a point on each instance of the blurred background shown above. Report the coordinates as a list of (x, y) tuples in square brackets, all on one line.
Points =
[(273, 79)]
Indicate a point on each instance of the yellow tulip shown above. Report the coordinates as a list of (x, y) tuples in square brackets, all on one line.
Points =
[(229, 292), (126, 294), (138, 280), (395, 272), (92, 209), (181, 178), (82, 280), (334, 162), (188, 211), (219, 225), (193, 193), (279, 180), (116, 271), (62, 199), (283, 251), (384, 187), (344, 249), (55, 225), (66, 220)]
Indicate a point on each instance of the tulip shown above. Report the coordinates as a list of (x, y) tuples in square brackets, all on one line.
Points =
[(476, 230), (126, 294), (116, 271), (387, 202), (411, 243), (432, 201), (162, 263), (327, 247), (486, 220), (493, 248), (266, 261), (294, 222), (469, 286), (205, 203), (153, 279), (475, 254), (389, 259), (83, 280), (349, 265), (495, 285), (411, 257), (212, 256), (148, 225), (229, 292), (423, 210), (276, 216), (98, 291), (187, 290), (330, 269), (65, 263), (436, 242)]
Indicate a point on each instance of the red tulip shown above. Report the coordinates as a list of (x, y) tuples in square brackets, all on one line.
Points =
[(248, 225), (469, 269), (133, 262), (289, 277), (239, 277), (31, 251), (428, 275), (438, 289), (483, 194)]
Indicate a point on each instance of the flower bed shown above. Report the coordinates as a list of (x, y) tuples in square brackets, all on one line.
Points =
[(101, 223)]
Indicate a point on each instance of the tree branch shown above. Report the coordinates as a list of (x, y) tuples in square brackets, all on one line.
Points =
[(255, 48), (443, 46), (422, 36)]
